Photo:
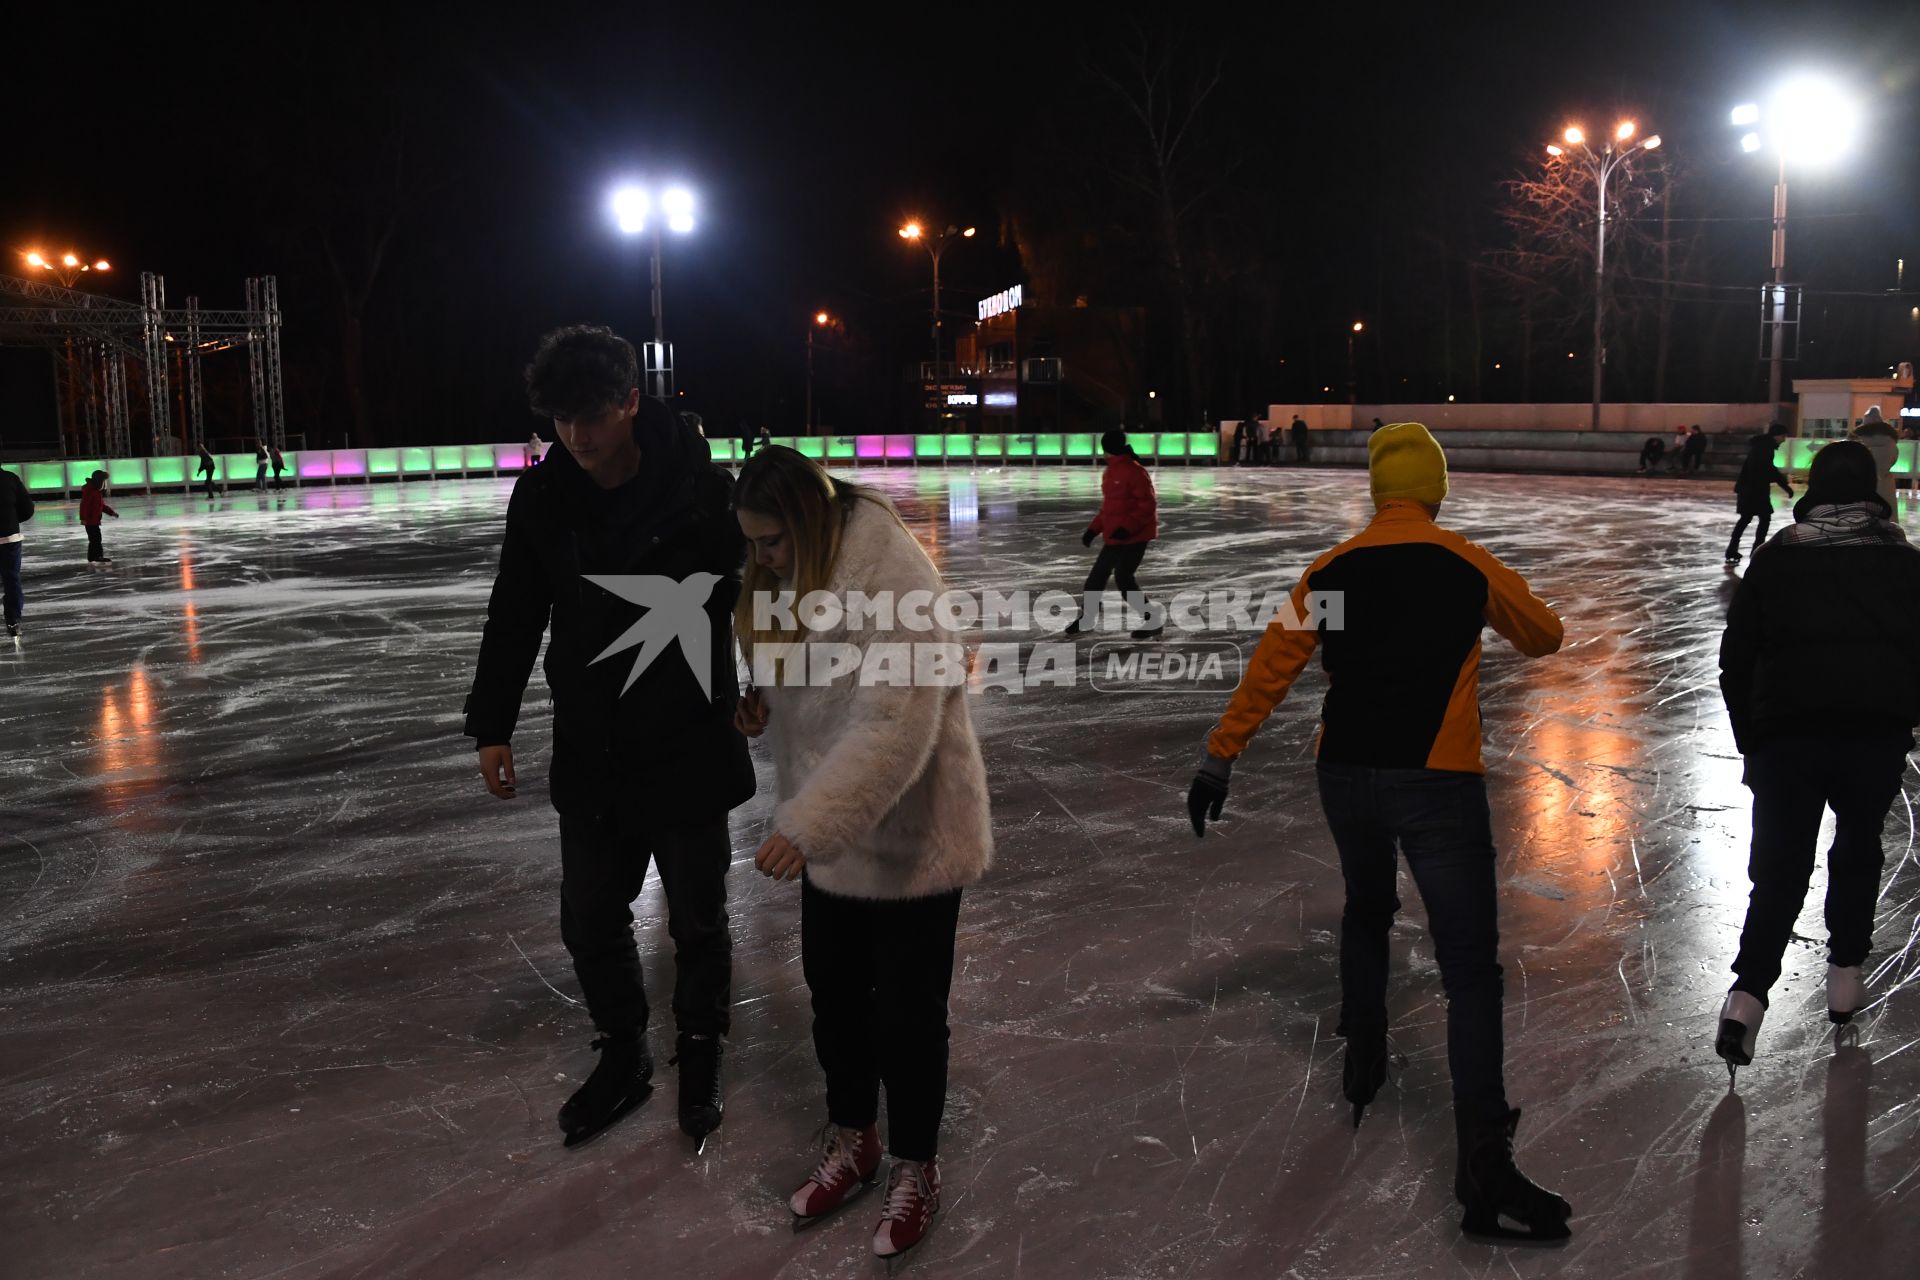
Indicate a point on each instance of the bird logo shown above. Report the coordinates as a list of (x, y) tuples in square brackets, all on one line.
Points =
[(675, 610)]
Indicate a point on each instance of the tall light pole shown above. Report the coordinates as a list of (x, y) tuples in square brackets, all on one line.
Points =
[(935, 245), (635, 213), (1353, 383), (821, 320), (1600, 165), (1810, 121)]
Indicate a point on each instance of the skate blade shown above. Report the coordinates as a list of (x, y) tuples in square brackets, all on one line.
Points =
[(581, 1137), (1359, 1109), (1493, 1230)]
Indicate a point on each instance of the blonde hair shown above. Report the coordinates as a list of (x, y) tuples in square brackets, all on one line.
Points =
[(785, 485)]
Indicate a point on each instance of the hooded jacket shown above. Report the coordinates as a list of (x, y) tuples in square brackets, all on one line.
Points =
[(653, 742), (882, 786), (16, 507), (1127, 501), (1403, 661), (1820, 633), (1752, 490)]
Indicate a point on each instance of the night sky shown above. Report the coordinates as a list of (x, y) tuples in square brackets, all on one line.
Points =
[(1350, 152)]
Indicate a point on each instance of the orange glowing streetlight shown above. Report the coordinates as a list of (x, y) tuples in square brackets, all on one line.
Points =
[(70, 266), (821, 320), (935, 246)]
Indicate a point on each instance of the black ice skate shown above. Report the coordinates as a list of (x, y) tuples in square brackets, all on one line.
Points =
[(1365, 1069), (1739, 1029), (698, 1058), (1502, 1205), (620, 1082)]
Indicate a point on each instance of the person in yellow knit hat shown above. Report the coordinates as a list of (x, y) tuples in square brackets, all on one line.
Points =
[(1401, 609)]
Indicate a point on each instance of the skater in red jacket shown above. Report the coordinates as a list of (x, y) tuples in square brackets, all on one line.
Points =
[(1129, 520), (93, 500)]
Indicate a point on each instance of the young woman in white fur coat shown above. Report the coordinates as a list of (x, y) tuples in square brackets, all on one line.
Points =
[(882, 816)]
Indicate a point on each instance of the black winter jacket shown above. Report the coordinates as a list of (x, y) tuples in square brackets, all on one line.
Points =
[(661, 748), (1752, 490), (1819, 640), (15, 506)]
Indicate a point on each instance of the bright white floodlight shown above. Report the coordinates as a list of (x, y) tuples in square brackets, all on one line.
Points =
[(1750, 142), (1747, 113), (1811, 120), (677, 204), (631, 205)]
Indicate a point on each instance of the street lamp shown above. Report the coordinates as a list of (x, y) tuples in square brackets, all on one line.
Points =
[(821, 320), (935, 246), (1600, 165), (1809, 121), (636, 209), (69, 266), (1353, 383)]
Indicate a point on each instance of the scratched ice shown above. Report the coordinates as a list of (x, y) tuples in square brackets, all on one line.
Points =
[(283, 992)]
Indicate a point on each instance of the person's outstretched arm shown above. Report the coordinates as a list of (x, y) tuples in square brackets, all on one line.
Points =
[(1527, 621), (517, 614)]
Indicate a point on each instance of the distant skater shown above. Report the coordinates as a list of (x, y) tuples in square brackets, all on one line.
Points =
[(207, 469), (16, 508), (1302, 441), (1650, 454), (1399, 764), (1816, 665), (1883, 442), (259, 464), (1129, 520), (279, 463), (1694, 453), (1753, 491), (93, 501)]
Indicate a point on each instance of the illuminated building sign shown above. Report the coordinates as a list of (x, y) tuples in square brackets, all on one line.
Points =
[(1002, 399), (1000, 303), (961, 397)]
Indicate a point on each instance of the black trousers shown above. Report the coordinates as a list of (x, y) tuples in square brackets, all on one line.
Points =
[(208, 478), (1759, 535), (879, 972), (603, 863), (1117, 563), (1795, 780), (95, 551), (1440, 821)]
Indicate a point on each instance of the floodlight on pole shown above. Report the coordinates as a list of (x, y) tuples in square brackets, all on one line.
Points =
[(1574, 135), (935, 245), (634, 207), (1623, 131)]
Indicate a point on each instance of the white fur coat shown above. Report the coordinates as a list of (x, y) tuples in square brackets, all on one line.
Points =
[(882, 788)]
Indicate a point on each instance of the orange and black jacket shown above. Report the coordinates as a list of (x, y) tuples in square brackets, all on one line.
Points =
[(1404, 666)]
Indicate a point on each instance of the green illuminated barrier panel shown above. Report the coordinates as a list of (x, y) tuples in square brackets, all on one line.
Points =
[(65, 477)]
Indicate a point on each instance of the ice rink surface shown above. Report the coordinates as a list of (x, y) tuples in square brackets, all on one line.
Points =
[(282, 991)]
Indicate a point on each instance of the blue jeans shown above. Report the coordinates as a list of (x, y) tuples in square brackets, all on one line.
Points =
[(1440, 822), (14, 599)]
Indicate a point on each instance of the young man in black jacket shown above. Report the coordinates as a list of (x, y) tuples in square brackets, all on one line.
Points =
[(1816, 665), (623, 545), (15, 509), (1753, 489)]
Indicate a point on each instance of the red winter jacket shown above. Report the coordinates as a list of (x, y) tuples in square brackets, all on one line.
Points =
[(92, 503), (1127, 502)]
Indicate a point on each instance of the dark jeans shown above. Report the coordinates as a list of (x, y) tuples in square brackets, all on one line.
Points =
[(879, 972), (1117, 563), (95, 551), (1440, 821), (603, 863), (208, 478), (260, 476), (1794, 781), (12, 598), (1759, 534)]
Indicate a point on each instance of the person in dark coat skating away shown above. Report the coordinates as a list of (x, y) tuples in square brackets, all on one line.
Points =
[(207, 469), (279, 464), (1816, 665), (93, 501), (1129, 520), (1753, 491), (1694, 454), (621, 545), (1302, 440), (16, 508)]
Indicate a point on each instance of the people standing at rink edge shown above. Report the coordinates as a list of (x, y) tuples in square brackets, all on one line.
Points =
[(1129, 521), (883, 816), (1399, 764), (1816, 667), (16, 508)]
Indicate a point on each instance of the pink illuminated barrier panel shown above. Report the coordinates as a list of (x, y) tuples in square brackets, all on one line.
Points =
[(63, 477)]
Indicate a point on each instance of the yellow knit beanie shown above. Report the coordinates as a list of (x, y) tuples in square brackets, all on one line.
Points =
[(1405, 461)]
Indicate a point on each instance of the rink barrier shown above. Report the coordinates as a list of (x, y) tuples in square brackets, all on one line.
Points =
[(64, 477)]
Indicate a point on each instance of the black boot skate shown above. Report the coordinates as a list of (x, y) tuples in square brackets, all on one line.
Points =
[(620, 1082), (698, 1058), (1502, 1205), (1365, 1069)]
